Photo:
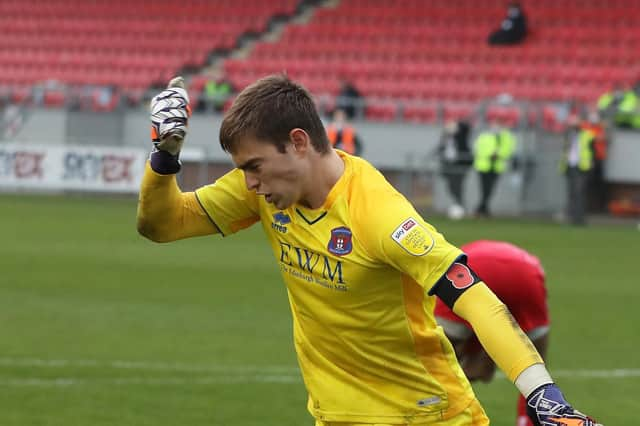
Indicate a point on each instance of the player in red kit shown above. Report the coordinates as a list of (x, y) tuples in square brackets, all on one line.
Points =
[(518, 279)]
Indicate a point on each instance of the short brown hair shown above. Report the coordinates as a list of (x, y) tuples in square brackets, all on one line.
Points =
[(268, 110)]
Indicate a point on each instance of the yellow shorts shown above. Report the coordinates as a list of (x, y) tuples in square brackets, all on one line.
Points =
[(473, 415)]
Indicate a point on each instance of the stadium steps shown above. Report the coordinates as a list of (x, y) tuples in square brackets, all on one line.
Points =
[(245, 45)]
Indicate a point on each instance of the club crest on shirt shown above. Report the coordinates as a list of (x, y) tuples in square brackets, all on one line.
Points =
[(413, 237), (340, 242)]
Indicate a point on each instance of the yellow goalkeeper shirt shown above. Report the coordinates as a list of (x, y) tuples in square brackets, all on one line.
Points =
[(357, 272)]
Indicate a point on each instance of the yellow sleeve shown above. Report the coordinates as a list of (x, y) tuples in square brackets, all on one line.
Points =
[(497, 330), (167, 214), (229, 204), (393, 232)]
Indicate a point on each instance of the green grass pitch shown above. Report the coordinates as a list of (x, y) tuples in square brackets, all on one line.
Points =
[(101, 327)]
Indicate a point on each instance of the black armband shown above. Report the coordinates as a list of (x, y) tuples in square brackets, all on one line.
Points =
[(164, 163), (458, 279)]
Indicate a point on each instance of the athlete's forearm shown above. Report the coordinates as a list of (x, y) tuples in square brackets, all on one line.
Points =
[(497, 330), (167, 214)]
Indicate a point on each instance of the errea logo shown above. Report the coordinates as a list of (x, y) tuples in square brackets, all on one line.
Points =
[(280, 222)]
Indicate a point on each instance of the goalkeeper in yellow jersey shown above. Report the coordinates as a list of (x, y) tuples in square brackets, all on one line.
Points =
[(361, 266)]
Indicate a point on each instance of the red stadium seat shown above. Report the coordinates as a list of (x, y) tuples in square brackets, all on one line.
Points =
[(421, 113), (381, 111), (551, 120), (21, 94), (511, 116), (458, 112), (54, 98)]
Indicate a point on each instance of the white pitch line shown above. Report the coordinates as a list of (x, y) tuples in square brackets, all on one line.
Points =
[(60, 382), (212, 374), (146, 365), (616, 373), (594, 374)]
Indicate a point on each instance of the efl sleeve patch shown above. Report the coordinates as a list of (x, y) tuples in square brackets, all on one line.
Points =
[(413, 237), (458, 278)]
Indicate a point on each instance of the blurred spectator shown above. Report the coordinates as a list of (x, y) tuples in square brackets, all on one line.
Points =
[(12, 120), (622, 105), (349, 99), (216, 92), (599, 196), (513, 28), (628, 114), (455, 159), (608, 102), (104, 95), (342, 135), (577, 163), (39, 90), (493, 148), (105, 98)]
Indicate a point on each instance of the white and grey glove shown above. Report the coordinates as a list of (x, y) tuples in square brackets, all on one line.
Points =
[(170, 112)]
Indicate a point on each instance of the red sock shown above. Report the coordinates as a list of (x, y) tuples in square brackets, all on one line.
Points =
[(523, 419)]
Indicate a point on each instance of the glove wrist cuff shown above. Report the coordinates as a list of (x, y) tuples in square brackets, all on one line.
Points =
[(164, 163)]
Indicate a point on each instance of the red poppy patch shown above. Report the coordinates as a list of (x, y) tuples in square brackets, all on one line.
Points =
[(460, 276)]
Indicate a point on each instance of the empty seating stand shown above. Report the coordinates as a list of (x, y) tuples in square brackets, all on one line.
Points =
[(437, 51), (127, 44)]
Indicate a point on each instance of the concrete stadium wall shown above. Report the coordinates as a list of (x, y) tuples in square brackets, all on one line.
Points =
[(44, 126), (389, 146)]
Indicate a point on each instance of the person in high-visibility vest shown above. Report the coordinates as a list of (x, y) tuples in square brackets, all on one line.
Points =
[(577, 164), (629, 109), (217, 91), (342, 135), (622, 105), (493, 149), (608, 102), (598, 196)]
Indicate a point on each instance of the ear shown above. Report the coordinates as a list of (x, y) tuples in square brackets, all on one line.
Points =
[(300, 140)]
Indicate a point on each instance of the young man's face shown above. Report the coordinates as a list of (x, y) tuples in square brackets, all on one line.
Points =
[(275, 175)]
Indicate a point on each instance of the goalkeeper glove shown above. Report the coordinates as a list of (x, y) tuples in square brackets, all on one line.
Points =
[(170, 112), (546, 407)]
